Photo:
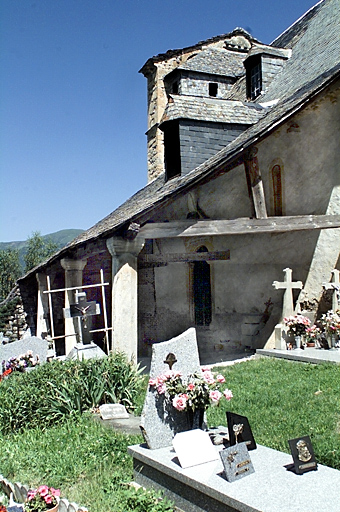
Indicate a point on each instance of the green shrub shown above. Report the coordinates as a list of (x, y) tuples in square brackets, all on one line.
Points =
[(61, 389)]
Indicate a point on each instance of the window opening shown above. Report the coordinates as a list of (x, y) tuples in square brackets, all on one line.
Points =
[(277, 189), (172, 153), (175, 88), (255, 81), (213, 88), (202, 291)]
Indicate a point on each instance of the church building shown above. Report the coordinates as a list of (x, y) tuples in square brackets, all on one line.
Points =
[(243, 182)]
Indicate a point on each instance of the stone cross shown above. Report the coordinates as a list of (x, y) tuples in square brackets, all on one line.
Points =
[(287, 285), (335, 286), (83, 310)]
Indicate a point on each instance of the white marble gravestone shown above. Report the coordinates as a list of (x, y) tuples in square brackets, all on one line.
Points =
[(160, 422)]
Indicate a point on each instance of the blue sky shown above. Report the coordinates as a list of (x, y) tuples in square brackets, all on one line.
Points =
[(73, 105)]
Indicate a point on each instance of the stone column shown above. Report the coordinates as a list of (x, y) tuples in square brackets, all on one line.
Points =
[(124, 294), (42, 306), (73, 277)]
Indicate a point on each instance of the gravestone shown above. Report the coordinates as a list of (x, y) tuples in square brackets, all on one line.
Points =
[(288, 285), (38, 346), (161, 422), (83, 311)]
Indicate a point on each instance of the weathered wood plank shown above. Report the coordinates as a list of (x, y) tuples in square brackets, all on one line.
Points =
[(186, 257), (242, 226)]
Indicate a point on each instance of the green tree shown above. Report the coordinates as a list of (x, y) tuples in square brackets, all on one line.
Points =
[(10, 271), (38, 250)]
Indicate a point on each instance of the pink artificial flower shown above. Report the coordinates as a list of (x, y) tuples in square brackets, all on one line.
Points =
[(208, 377), (220, 378), (43, 490), (153, 382), (215, 396), (228, 394), (205, 369), (54, 492), (161, 389), (48, 499), (180, 401), (190, 386)]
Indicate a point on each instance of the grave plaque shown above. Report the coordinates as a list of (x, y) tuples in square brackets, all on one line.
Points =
[(303, 455), (240, 431), (194, 447), (236, 462)]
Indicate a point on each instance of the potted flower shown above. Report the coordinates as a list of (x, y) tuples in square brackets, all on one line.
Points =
[(297, 325), (330, 321), (193, 395), (312, 334), (41, 499)]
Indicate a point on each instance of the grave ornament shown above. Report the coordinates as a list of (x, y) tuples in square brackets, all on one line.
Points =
[(240, 431), (236, 462), (303, 455), (84, 310)]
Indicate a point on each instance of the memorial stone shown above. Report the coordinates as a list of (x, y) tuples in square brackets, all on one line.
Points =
[(236, 462), (159, 421), (38, 346), (193, 448)]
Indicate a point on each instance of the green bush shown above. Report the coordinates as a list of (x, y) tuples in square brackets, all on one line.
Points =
[(61, 389)]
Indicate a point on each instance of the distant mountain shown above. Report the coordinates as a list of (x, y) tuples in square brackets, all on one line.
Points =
[(61, 238)]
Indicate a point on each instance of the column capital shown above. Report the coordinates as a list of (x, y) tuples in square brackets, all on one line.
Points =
[(69, 264), (118, 246)]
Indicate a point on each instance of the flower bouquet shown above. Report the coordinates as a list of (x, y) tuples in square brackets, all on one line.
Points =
[(297, 324), (331, 322), (41, 499), (197, 392), (312, 334), (21, 362)]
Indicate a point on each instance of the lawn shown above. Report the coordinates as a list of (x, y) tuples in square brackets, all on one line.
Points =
[(89, 462)]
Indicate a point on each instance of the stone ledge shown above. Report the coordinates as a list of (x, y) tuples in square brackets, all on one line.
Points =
[(272, 488)]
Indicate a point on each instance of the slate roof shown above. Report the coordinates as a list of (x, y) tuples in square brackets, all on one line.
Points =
[(314, 65), (216, 61), (212, 109)]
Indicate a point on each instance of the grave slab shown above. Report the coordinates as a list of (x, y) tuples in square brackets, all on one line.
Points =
[(271, 488), (308, 355), (86, 351), (160, 423)]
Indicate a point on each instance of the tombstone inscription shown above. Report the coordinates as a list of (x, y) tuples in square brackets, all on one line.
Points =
[(236, 462)]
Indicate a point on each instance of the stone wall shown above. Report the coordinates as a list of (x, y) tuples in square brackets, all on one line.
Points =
[(15, 319)]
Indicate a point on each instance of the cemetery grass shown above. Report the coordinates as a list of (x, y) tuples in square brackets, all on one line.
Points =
[(85, 460), (284, 400)]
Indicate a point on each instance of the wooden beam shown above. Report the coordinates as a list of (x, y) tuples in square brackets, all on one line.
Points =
[(146, 260), (242, 226), (255, 184)]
